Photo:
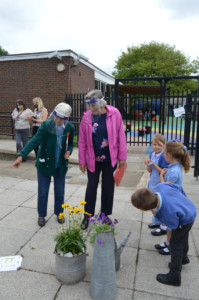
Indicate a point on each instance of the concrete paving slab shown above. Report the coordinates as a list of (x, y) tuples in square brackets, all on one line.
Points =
[(81, 292), (15, 197), (126, 211), (6, 183), (195, 236), (126, 226), (146, 281), (126, 274), (28, 285), (149, 296), (148, 241), (39, 254), (5, 210), (12, 240), (21, 218), (26, 185)]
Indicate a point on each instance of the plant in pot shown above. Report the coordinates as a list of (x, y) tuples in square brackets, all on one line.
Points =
[(70, 248)]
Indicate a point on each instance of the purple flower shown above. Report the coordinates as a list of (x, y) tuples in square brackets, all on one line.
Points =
[(98, 219), (99, 242), (115, 221), (103, 215)]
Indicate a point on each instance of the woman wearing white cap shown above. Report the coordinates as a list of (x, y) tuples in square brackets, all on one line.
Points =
[(102, 144), (55, 137)]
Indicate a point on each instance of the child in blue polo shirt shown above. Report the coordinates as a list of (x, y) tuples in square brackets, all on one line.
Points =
[(171, 206), (155, 164)]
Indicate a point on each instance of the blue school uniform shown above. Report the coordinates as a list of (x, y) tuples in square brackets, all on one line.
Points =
[(160, 160), (175, 209), (174, 173)]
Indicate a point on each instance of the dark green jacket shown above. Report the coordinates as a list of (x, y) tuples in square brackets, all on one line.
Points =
[(47, 140)]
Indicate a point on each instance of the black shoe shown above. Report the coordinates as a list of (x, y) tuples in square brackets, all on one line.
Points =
[(85, 222), (160, 247), (152, 226), (158, 232), (163, 252), (185, 261), (41, 221), (169, 279), (60, 221)]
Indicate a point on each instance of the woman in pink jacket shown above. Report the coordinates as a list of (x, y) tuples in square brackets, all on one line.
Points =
[(102, 144)]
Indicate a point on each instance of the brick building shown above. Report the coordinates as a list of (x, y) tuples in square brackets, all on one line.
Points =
[(49, 75)]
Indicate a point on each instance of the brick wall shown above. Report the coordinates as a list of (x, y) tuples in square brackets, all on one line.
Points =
[(26, 79)]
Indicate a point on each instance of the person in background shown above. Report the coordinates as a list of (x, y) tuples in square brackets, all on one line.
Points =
[(40, 115), (102, 144), (172, 207), (21, 116), (155, 164), (55, 137)]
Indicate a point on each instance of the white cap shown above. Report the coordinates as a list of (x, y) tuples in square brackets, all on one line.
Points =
[(62, 110)]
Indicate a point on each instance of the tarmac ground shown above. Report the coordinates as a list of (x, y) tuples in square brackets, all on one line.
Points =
[(140, 261)]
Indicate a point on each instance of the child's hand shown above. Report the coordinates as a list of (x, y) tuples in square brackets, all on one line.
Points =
[(153, 212), (163, 172), (147, 161)]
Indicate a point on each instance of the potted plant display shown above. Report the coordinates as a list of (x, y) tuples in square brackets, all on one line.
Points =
[(70, 248)]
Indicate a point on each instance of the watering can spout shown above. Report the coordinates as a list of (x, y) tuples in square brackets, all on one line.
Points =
[(124, 243), (119, 250)]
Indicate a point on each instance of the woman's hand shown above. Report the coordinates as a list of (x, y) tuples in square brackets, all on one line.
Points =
[(121, 163), (67, 154), (29, 118), (82, 168), (17, 162)]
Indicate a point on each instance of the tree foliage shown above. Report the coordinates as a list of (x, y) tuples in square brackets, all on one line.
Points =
[(2, 51), (156, 60)]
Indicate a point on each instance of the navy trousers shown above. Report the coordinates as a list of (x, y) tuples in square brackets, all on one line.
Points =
[(107, 190), (43, 190), (179, 246)]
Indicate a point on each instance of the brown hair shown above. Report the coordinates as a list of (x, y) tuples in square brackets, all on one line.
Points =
[(159, 137), (179, 152), (144, 199), (20, 102)]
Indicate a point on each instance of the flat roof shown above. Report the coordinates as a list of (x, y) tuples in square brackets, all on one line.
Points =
[(99, 74)]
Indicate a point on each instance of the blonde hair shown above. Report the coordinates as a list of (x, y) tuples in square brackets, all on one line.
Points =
[(159, 137), (40, 103), (179, 152)]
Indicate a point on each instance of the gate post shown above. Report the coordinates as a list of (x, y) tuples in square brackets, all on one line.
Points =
[(187, 120)]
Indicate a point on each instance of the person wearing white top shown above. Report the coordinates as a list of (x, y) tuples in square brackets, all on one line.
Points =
[(22, 124)]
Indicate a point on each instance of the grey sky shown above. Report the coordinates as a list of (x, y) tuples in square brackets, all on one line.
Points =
[(98, 30), (181, 9)]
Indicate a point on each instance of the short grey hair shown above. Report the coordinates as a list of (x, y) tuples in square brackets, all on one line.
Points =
[(96, 94)]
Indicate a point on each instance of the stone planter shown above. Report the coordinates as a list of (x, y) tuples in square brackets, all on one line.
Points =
[(70, 270)]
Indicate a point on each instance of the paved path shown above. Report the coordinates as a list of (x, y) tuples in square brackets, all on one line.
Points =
[(140, 262)]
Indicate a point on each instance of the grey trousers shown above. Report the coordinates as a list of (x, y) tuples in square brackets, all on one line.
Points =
[(22, 136)]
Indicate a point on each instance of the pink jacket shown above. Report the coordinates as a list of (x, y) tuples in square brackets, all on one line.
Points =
[(116, 138)]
